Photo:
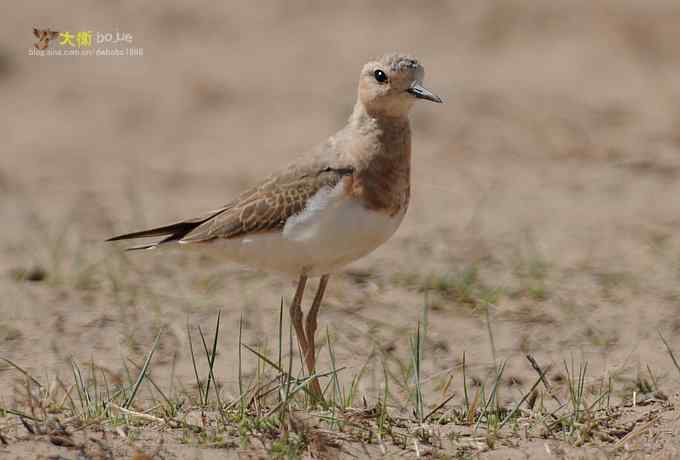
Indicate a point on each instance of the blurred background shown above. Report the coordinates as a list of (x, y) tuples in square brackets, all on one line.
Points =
[(545, 191)]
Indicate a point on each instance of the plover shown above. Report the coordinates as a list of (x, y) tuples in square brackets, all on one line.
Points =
[(338, 203)]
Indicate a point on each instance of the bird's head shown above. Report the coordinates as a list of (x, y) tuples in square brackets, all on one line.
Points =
[(390, 85)]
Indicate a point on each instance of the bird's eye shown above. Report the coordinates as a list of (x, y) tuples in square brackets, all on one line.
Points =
[(380, 76)]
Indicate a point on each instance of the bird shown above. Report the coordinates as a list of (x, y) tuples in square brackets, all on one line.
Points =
[(333, 205)]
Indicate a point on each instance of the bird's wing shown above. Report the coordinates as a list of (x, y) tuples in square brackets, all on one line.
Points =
[(265, 207), (268, 206)]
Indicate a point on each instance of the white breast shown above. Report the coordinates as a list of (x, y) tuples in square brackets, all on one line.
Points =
[(332, 231)]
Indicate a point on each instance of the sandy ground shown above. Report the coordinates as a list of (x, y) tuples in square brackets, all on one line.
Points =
[(546, 185)]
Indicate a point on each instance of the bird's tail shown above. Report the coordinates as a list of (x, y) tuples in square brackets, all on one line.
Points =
[(172, 232)]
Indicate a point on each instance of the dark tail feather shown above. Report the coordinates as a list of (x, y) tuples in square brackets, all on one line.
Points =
[(143, 247), (179, 228), (173, 237), (172, 232)]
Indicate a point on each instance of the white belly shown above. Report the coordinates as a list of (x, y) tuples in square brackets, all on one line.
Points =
[(331, 232)]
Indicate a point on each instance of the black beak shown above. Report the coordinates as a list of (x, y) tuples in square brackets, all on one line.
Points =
[(419, 91)]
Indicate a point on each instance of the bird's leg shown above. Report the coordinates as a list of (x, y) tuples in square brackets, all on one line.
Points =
[(310, 329), (296, 316)]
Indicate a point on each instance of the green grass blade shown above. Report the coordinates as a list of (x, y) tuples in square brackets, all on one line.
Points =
[(262, 357), (193, 362), (668, 349), (22, 370), (142, 373)]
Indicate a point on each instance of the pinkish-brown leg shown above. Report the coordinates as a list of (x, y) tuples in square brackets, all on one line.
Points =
[(296, 315), (310, 329)]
